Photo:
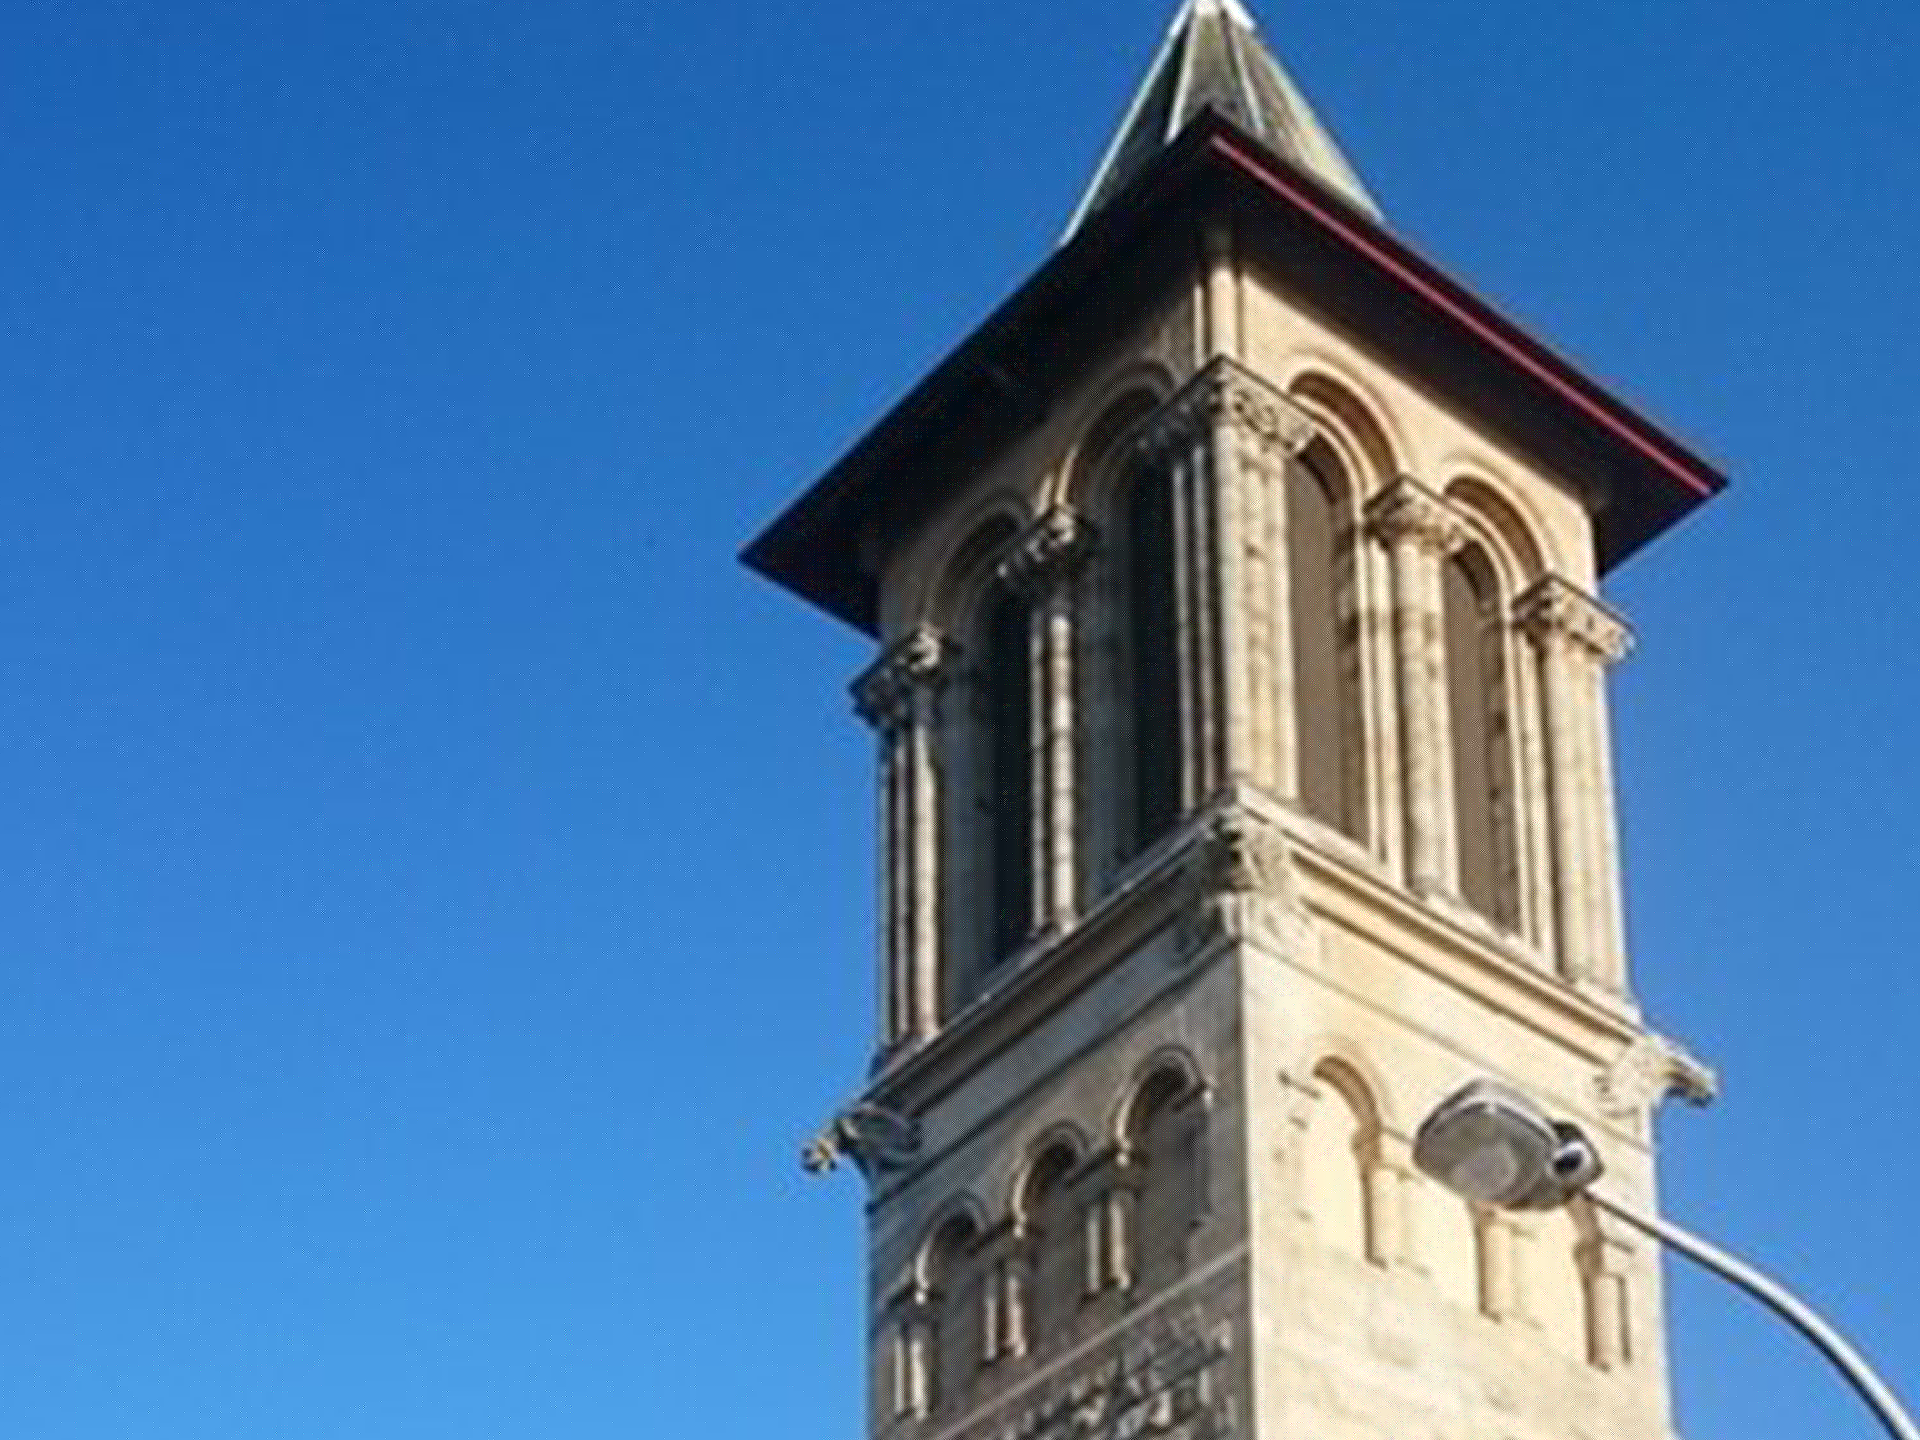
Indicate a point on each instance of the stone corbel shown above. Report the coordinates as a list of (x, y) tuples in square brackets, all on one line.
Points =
[(1240, 886), (878, 1141), (1649, 1071), (1555, 610)]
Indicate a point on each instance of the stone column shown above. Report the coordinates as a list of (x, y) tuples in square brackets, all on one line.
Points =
[(911, 1314), (1042, 567), (1387, 1165), (1224, 437), (1575, 638), (1497, 1241), (1004, 1261), (899, 696), (1419, 530)]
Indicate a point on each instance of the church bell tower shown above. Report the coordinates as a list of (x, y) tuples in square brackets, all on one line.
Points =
[(1244, 787)]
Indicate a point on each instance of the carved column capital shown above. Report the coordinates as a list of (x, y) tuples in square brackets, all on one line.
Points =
[(883, 695), (1225, 391), (1407, 512), (1554, 610), (1050, 550)]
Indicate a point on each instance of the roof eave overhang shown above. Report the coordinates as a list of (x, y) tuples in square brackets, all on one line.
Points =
[(1636, 479)]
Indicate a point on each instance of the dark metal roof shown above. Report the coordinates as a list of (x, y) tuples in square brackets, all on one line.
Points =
[(1634, 478)]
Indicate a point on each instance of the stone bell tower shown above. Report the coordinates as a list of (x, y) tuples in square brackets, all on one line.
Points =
[(1244, 787)]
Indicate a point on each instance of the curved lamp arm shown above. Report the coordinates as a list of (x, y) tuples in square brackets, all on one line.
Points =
[(1777, 1298)]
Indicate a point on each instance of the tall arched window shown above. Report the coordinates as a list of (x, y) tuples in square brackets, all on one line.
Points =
[(1150, 678), (1003, 798), (1325, 653), (1056, 1238), (957, 1300), (1477, 719)]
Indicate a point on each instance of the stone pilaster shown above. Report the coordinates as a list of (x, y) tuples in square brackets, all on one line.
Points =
[(1042, 566), (1419, 530), (1606, 1261), (900, 697), (1575, 638), (1225, 438)]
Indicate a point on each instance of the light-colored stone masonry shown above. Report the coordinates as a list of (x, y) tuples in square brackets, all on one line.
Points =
[(1321, 989)]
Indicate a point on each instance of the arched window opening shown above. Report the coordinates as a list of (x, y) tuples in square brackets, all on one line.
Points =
[(1332, 1175), (1167, 1138), (1004, 797), (1056, 1238), (1151, 678), (1325, 649), (1477, 719), (956, 1296)]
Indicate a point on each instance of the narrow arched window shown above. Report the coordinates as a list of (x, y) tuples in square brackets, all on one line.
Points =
[(1005, 796), (1056, 1237), (1151, 676), (1332, 1172), (1477, 720), (957, 1300), (1325, 657), (1167, 1138)]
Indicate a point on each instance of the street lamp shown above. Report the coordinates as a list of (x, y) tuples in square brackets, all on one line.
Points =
[(1494, 1146)]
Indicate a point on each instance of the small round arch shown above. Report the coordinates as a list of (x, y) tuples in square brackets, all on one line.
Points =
[(1509, 535), (953, 583), (1050, 1156), (1089, 474), (1351, 421), (958, 1224), (1168, 1076), (1337, 1061)]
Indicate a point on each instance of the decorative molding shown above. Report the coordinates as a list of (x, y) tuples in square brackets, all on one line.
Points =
[(883, 695), (1647, 1072), (1240, 885), (1050, 550), (1554, 609), (1408, 512), (1225, 390), (878, 1141)]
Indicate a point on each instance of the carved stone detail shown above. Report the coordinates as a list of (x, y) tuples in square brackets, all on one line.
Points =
[(1162, 1384), (1240, 885), (1647, 1072), (883, 695), (1408, 512), (1553, 609), (1050, 549), (878, 1141), (1226, 390)]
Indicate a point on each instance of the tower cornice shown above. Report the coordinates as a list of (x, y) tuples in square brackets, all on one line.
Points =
[(1633, 477)]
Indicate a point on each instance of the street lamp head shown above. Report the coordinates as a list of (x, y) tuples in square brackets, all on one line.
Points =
[(1492, 1145)]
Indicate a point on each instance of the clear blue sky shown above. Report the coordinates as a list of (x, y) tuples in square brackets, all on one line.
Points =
[(437, 880)]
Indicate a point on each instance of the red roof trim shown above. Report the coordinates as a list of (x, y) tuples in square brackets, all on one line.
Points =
[(1497, 332)]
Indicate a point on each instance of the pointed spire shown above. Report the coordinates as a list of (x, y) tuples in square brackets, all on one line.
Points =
[(1213, 59)]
